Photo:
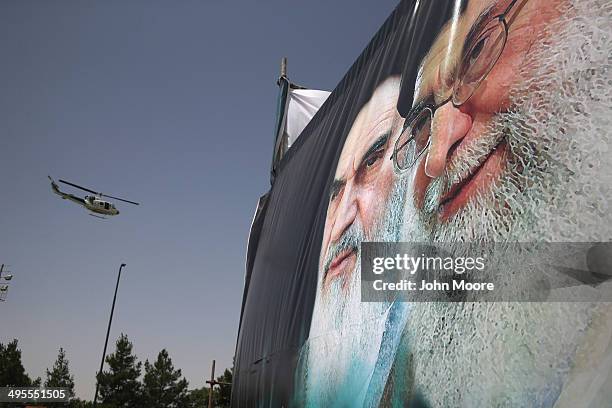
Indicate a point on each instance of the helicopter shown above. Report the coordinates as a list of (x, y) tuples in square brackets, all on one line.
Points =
[(93, 203)]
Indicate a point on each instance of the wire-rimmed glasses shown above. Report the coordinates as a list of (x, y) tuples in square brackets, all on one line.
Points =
[(477, 61)]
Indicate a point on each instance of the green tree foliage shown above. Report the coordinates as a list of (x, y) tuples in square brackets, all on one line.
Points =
[(198, 398), (162, 384), (12, 372), (119, 387), (223, 393), (59, 376), (79, 403)]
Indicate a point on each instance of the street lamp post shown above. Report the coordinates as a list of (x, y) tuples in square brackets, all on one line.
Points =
[(110, 320)]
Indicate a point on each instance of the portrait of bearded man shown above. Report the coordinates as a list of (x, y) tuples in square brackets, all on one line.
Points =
[(508, 127), (508, 140), (365, 203)]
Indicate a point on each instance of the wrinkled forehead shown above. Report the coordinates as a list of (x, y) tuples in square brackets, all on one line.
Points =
[(437, 69), (376, 118)]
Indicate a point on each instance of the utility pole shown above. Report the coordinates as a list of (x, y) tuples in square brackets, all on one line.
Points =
[(110, 320), (3, 288), (212, 383)]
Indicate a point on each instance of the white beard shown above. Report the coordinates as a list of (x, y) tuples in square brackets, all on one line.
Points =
[(526, 354), (558, 182), (345, 334)]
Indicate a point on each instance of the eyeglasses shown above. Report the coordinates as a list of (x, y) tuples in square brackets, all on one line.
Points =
[(481, 56)]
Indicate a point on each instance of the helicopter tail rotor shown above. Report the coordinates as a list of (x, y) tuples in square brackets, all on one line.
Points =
[(54, 186)]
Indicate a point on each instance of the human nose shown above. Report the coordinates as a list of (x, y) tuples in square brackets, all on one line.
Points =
[(346, 211), (449, 125)]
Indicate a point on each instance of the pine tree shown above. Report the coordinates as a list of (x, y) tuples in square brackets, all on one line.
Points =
[(12, 372), (60, 376), (120, 387), (162, 385), (198, 398)]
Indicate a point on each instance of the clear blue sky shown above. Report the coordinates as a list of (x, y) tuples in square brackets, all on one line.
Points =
[(170, 103)]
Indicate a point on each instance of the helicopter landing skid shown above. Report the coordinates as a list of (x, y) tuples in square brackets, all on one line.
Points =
[(98, 216)]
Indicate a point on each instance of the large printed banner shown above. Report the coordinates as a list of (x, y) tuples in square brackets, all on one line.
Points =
[(439, 234)]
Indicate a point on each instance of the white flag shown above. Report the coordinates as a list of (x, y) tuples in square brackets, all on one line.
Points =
[(303, 104)]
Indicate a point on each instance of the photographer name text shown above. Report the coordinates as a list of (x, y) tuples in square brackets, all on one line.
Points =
[(413, 264)]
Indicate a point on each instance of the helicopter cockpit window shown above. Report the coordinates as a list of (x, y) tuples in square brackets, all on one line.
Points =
[(106, 206)]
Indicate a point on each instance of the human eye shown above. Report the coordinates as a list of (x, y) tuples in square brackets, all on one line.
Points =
[(477, 50), (333, 195), (475, 62), (420, 132), (336, 190), (372, 160), (483, 52), (374, 157)]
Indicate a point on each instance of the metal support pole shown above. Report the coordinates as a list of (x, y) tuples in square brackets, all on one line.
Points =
[(212, 384), (283, 71), (110, 320)]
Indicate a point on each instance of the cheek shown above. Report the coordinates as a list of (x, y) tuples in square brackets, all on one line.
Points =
[(329, 222), (421, 181), (375, 196), (368, 207)]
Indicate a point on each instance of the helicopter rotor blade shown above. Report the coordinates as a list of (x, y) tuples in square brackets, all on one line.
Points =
[(120, 199), (77, 186), (97, 193)]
